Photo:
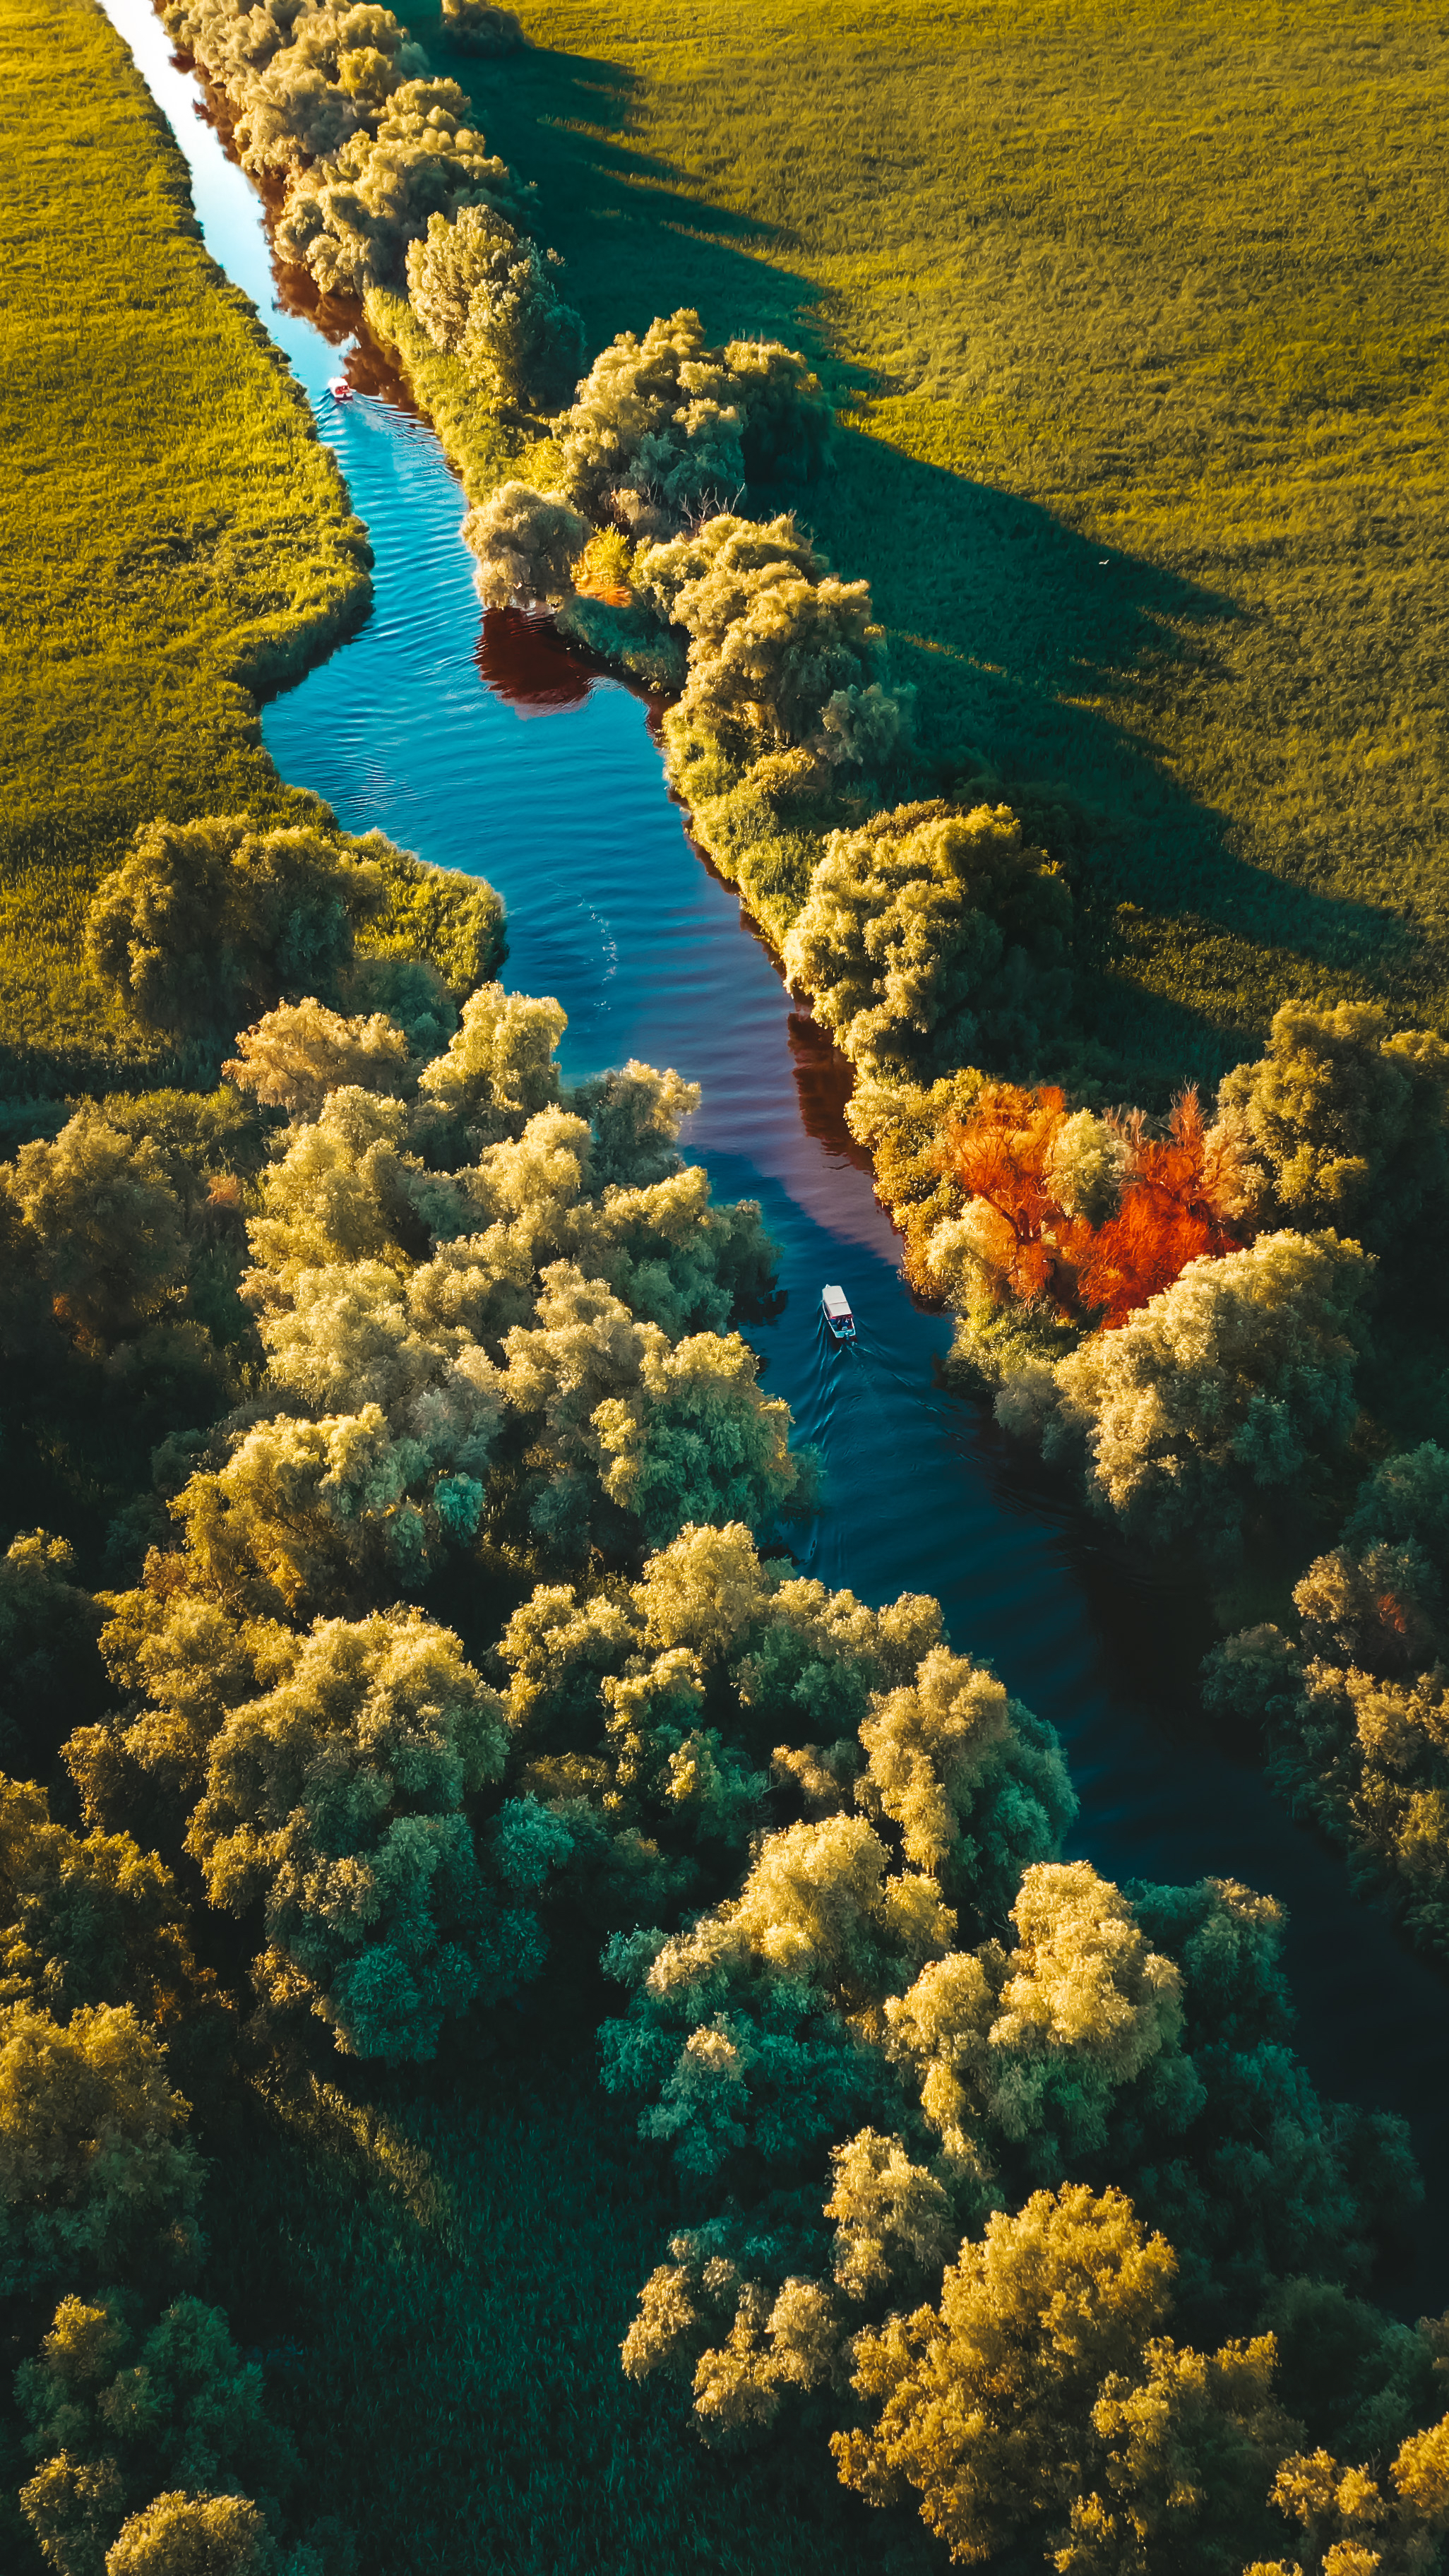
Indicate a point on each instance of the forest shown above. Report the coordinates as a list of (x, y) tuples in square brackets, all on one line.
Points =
[(696, 2107)]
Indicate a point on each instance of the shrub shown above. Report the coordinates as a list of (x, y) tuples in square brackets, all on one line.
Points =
[(1232, 1385), (930, 935), (527, 544), (664, 427), (476, 27), (93, 2177), (480, 290), (301, 82), (207, 923)]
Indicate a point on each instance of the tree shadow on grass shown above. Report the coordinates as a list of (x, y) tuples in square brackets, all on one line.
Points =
[(1021, 637), (637, 238)]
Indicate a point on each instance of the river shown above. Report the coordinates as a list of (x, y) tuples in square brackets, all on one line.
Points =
[(484, 745)]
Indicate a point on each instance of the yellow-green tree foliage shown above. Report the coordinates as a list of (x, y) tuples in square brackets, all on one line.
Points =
[(95, 2175), (531, 1343), (757, 2032), (332, 100), (1147, 2039), (206, 923), (482, 291), (194, 2535), (476, 27), (1354, 1703), (527, 545), (665, 427), (350, 217), (336, 1801), (980, 2405), (101, 1227), (50, 1674), (1345, 1123), (88, 1919), (115, 2414), (781, 655), (1350, 2525), (1231, 1387), (929, 935)]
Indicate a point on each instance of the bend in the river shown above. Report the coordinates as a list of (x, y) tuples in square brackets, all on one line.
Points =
[(485, 745)]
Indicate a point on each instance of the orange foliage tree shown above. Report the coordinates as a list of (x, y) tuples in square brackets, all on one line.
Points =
[(1176, 1196)]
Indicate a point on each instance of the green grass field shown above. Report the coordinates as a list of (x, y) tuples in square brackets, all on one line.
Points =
[(170, 527), (1143, 326)]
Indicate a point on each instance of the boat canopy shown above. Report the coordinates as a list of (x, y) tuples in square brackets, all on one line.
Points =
[(836, 1305)]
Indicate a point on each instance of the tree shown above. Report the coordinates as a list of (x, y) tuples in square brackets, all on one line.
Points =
[(1018, 2056), (86, 1921), (1185, 2457), (699, 1441), (193, 2535), (479, 290), (337, 1800), (980, 2405), (706, 578), (115, 2413), (1344, 1124), (350, 218), (298, 1053), (209, 922), (1233, 1384), (477, 27), (527, 544), (742, 2027), (780, 655), (501, 1067), (50, 1673), (102, 1227), (928, 933), (440, 927), (1351, 2527), (1353, 1706), (665, 427), (93, 2173)]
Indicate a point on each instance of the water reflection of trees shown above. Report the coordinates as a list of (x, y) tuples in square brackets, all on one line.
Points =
[(824, 1081), (527, 664)]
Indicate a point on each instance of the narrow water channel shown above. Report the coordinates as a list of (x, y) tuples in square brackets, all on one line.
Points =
[(484, 745)]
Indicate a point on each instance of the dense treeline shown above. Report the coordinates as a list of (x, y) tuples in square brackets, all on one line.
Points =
[(914, 2069), (387, 180), (1183, 1310), (1352, 1699)]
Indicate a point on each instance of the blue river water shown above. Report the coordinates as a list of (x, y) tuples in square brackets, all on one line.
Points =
[(483, 744)]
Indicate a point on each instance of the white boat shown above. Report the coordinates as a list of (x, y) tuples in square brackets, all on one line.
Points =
[(339, 388), (835, 1307)]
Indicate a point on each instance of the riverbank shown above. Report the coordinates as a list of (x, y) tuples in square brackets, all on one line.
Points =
[(175, 538), (1142, 462)]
